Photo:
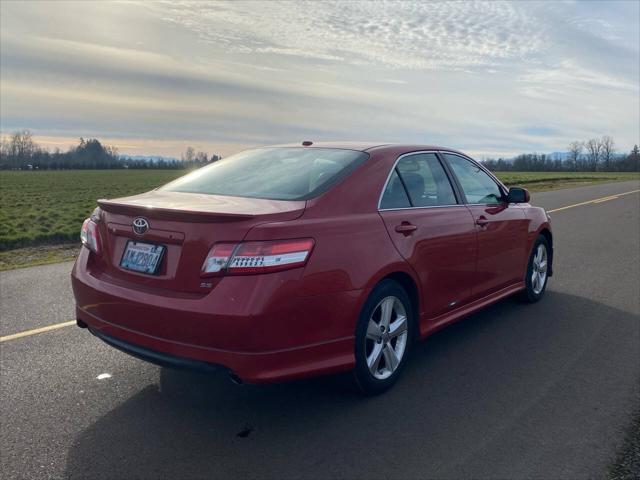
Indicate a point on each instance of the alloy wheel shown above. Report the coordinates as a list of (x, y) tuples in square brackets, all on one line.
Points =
[(386, 339), (539, 270)]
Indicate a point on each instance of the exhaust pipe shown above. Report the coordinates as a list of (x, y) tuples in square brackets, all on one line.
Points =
[(81, 324)]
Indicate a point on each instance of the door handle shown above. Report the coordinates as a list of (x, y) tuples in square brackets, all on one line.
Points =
[(406, 228), (482, 221)]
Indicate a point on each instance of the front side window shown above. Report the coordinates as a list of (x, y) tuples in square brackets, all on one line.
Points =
[(478, 186), (426, 180), (272, 173)]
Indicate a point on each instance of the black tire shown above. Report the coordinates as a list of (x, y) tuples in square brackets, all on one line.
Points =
[(532, 292), (365, 381)]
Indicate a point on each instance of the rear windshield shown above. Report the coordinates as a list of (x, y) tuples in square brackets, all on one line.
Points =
[(272, 173)]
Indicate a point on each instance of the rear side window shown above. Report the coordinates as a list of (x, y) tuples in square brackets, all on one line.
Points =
[(478, 186), (272, 173), (425, 180), (394, 196)]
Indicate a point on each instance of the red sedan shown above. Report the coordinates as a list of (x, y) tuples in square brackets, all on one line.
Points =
[(300, 260)]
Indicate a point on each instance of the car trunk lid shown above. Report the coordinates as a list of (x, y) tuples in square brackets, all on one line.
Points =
[(187, 225)]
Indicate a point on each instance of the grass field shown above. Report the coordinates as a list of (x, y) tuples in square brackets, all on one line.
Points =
[(48, 207), (539, 181)]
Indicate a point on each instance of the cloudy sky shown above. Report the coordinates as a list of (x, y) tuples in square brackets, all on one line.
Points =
[(489, 78)]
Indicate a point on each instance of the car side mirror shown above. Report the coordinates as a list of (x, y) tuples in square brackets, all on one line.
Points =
[(518, 195)]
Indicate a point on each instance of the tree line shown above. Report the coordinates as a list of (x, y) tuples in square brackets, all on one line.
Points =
[(21, 152), (593, 155)]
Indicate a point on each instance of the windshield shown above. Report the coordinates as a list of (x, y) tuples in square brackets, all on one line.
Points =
[(272, 173)]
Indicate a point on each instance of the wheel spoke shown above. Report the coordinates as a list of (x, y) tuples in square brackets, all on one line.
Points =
[(390, 357), (386, 309), (539, 269), (398, 327), (373, 360), (373, 331), (386, 337)]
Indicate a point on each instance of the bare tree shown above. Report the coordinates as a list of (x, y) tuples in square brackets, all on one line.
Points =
[(22, 146), (4, 148), (607, 149), (575, 150), (201, 157), (593, 153), (189, 155)]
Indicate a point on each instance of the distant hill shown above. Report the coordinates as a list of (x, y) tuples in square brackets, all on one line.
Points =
[(149, 158), (563, 156), (559, 155)]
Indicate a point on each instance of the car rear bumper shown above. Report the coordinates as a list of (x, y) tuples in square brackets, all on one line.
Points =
[(326, 358), (153, 356), (258, 336)]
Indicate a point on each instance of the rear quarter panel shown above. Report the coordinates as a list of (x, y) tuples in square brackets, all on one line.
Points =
[(353, 251)]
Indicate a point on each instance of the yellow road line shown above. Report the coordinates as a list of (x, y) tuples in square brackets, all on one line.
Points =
[(35, 331), (595, 200), (606, 199)]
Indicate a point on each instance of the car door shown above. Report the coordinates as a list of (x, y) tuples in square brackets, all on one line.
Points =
[(501, 227), (431, 229)]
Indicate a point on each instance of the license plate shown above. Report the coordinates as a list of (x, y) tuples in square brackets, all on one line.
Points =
[(142, 257)]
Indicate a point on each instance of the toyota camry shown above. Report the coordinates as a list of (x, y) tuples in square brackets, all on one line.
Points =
[(300, 260)]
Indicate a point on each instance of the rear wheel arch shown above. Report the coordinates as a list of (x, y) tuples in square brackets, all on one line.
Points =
[(371, 346), (408, 283)]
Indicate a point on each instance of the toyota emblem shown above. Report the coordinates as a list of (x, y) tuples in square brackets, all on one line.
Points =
[(140, 225)]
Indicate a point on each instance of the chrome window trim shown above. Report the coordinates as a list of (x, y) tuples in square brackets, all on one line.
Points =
[(384, 188), (419, 208), (395, 164)]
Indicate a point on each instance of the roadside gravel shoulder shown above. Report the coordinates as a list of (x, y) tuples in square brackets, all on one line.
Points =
[(41, 255)]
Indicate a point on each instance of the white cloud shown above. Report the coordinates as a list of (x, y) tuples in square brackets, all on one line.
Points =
[(420, 35), (466, 74)]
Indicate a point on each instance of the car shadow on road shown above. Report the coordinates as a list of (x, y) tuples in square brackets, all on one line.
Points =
[(515, 390)]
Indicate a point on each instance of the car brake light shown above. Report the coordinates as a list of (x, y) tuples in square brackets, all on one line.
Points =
[(257, 257), (90, 236), (217, 258)]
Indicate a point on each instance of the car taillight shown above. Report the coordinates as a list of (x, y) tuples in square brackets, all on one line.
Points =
[(96, 215), (217, 258), (90, 236), (257, 257)]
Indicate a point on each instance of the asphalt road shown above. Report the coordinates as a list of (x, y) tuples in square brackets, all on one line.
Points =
[(516, 391)]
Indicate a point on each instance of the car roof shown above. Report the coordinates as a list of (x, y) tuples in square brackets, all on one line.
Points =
[(359, 146), (370, 146)]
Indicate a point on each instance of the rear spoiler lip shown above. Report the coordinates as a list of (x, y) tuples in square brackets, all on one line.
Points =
[(169, 213)]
